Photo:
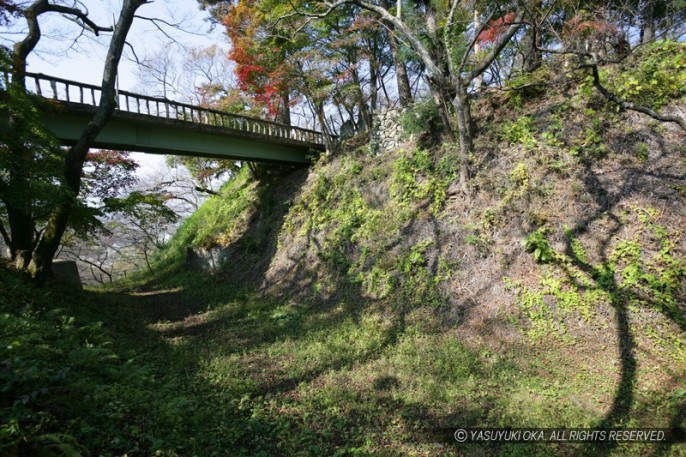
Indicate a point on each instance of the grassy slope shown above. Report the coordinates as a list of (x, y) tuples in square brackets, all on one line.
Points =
[(361, 305)]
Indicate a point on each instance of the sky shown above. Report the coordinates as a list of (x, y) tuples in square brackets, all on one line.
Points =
[(67, 53), (59, 54)]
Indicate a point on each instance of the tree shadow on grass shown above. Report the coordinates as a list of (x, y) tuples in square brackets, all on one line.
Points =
[(244, 336), (604, 279)]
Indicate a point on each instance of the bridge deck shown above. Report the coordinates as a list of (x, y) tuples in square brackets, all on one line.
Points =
[(157, 125)]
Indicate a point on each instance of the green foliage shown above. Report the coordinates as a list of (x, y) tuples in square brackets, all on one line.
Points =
[(554, 133), (355, 231), (415, 178), (642, 150), (31, 166), (537, 243), (628, 277), (420, 118), (590, 144), (30, 157), (142, 206), (55, 366), (529, 85), (520, 131), (655, 76), (216, 222), (520, 176), (204, 170)]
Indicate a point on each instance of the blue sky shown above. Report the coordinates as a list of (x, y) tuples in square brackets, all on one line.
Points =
[(60, 55)]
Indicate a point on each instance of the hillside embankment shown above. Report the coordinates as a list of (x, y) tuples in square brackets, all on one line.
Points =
[(357, 305), (567, 258)]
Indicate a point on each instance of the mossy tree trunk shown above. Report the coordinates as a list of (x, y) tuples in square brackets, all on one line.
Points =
[(463, 112)]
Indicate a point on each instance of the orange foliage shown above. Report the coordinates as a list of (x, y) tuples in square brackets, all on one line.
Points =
[(259, 65), (495, 28)]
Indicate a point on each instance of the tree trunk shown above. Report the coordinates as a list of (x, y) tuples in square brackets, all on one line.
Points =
[(19, 216), (373, 80), (479, 80), (403, 81), (71, 184), (531, 56), (364, 114), (21, 229), (531, 42), (284, 115), (648, 22), (463, 111), (431, 23), (321, 116)]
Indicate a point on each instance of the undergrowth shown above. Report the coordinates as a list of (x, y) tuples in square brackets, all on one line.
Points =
[(358, 230), (637, 274), (387, 343)]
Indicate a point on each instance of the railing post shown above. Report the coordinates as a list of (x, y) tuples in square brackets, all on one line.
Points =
[(53, 86)]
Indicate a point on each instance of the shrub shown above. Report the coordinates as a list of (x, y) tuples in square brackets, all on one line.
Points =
[(657, 76), (420, 118)]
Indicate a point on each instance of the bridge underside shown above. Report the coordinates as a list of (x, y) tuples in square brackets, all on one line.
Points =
[(135, 132)]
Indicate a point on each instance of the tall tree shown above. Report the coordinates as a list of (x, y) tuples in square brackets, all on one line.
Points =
[(76, 155), (22, 153), (446, 49), (260, 56), (402, 79)]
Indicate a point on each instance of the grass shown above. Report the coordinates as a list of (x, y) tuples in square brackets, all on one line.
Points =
[(383, 314), (179, 371)]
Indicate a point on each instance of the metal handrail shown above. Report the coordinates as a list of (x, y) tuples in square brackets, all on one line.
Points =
[(88, 94)]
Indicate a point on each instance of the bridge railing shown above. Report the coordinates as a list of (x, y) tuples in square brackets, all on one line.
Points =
[(70, 91)]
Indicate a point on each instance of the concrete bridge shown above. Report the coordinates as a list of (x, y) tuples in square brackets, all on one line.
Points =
[(158, 125)]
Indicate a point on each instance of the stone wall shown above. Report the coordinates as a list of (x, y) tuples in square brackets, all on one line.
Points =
[(387, 134), (208, 260), (67, 272)]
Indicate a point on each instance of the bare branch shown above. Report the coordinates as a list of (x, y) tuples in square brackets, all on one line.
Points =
[(133, 51), (496, 48), (86, 22), (157, 21), (432, 70), (628, 105), (472, 43)]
